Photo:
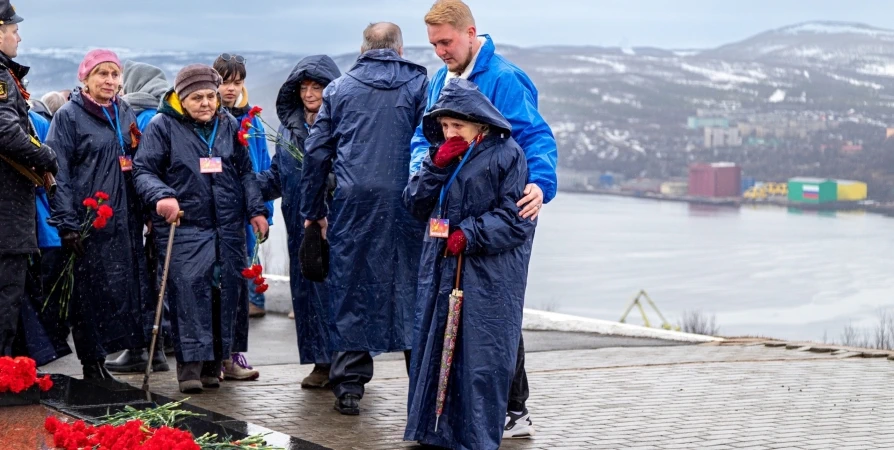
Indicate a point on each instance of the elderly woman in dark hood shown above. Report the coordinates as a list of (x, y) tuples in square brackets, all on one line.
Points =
[(95, 138), (299, 100), (468, 186), (191, 161)]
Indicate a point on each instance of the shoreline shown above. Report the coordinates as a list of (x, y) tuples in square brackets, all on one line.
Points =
[(736, 202)]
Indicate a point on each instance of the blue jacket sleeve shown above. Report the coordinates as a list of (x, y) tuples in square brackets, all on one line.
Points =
[(150, 162), (422, 192), (516, 98), (61, 139), (254, 202), (260, 156), (419, 145), (319, 153), (501, 229)]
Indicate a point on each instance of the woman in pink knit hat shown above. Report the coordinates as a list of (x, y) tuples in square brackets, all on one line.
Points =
[(95, 138)]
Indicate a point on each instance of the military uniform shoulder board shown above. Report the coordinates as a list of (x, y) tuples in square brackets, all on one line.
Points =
[(4, 91)]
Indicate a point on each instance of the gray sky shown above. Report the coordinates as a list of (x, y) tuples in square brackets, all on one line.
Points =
[(335, 26)]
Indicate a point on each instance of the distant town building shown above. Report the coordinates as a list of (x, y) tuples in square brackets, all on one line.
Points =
[(715, 180), (722, 137), (695, 123)]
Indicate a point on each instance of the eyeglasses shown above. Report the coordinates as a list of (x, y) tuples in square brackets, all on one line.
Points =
[(227, 57)]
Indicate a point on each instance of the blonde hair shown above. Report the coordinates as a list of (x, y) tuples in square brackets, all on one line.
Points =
[(450, 12)]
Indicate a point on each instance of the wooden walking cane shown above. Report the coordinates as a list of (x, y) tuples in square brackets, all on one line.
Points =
[(160, 305)]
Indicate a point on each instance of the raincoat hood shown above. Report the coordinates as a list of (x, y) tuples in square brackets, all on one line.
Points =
[(374, 68), (289, 107), (462, 100), (144, 85)]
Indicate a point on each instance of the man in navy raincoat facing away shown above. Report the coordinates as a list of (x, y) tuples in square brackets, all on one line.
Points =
[(362, 134)]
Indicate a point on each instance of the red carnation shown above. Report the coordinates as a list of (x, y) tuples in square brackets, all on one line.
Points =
[(257, 269), (261, 289), (248, 273), (243, 137), (45, 383), (91, 203), (102, 195), (105, 211), (255, 111), (259, 281), (246, 123), (100, 223)]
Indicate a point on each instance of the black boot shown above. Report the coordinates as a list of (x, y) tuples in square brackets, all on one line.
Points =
[(96, 370), (348, 405), (159, 361), (130, 361)]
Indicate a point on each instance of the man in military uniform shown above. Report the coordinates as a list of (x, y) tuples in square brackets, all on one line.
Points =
[(20, 152)]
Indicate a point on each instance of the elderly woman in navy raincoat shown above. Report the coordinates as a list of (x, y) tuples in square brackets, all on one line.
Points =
[(94, 138), (297, 106), (473, 180), (191, 161)]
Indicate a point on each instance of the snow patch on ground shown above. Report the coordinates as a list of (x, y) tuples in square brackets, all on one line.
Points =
[(616, 66), (550, 321), (726, 75), (777, 96), (854, 82), (836, 28), (885, 70)]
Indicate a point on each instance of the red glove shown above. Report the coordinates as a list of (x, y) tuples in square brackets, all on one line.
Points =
[(456, 243), (449, 151)]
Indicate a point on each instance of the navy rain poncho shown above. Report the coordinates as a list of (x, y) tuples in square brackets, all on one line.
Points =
[(110, 302), (365, 125), (209, 245), (482, 203), (310, 300)]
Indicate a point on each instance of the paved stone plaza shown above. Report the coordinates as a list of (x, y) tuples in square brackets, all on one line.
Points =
[(739, 395)]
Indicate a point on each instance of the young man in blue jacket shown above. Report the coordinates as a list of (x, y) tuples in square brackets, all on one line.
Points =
[(234, 97), (452, 32)]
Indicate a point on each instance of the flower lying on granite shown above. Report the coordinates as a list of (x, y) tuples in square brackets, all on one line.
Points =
[(19, 374)]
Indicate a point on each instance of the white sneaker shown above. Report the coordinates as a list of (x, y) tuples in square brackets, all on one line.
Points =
[(518, 426), (236, 368)]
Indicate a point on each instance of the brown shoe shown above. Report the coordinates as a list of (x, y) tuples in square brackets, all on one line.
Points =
[(254, 311), (317, 379)]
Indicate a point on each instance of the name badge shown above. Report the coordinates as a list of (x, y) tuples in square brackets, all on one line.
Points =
[(439, 228), (210, 165), (126, 163)]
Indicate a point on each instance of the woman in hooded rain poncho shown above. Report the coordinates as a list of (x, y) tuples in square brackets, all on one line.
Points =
[(473, 178), (299, 100)]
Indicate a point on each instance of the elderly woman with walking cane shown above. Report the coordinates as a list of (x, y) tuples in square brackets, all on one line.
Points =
[(190, 160)]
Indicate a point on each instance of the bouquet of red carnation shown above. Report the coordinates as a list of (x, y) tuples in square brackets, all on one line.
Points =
[(19, 374), (98, 215), (256, 271), (248, 131)]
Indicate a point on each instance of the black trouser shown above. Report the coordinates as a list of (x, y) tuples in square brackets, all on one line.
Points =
[(350, 371), (518, 393), (13, 272)]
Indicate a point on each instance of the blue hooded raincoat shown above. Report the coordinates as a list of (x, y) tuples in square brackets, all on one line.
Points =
[(482, 203), (310, 300), (515, 96), (209, 245), (362, 133), (111, 298)]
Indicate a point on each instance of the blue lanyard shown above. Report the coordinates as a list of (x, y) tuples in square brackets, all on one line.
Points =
[(210, 143), (446, 187), (116, 125)]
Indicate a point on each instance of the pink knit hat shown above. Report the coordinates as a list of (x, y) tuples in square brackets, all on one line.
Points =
[(95, 58)]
